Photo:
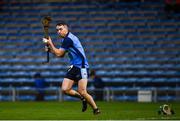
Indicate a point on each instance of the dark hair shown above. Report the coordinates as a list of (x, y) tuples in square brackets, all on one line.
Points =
[(61, 23)]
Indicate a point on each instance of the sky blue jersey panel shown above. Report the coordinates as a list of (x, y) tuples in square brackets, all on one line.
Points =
[(75, 51)]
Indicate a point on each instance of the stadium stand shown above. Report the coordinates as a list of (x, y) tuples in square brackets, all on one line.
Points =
[(133, 45)]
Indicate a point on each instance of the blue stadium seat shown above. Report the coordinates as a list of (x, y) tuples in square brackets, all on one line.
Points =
[(125, 41)]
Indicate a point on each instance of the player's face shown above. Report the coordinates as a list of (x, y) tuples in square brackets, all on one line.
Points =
[(62, 30)]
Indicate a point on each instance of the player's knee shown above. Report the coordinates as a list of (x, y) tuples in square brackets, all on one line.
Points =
[(65, 91), (82, 92)]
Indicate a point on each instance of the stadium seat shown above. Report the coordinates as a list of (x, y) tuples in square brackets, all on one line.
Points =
[(126, 42)]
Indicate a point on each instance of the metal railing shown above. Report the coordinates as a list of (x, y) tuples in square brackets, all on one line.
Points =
[(109, 94)]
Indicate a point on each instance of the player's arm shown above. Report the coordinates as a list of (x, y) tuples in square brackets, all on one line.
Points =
[(57, 51)]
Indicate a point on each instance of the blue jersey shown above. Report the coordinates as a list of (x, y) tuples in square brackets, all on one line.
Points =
[(73, 46)]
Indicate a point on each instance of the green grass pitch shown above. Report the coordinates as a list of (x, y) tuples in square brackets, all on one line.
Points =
[(72, 111)]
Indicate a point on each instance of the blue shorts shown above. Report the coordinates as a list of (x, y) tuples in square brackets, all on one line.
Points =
[(76, 74)]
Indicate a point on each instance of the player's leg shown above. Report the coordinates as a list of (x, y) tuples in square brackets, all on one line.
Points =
[(67, 88), (82, 89)]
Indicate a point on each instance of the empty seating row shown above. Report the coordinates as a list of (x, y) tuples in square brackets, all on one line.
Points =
[(124, 41)]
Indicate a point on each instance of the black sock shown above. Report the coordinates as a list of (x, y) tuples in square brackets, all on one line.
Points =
[(96, 109), (83, 99)]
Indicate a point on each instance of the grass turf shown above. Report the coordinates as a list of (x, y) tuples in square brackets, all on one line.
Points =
[(72, 111)]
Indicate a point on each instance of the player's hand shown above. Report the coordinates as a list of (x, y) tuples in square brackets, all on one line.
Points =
[(47, 41)]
